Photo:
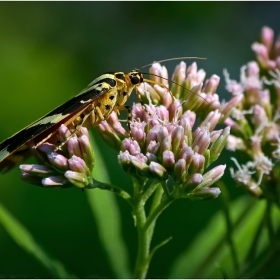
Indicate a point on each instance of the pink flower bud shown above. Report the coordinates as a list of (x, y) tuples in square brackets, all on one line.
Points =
[(140, 165), (267, 36), (213, 175), (87, 151), (74, 147), (159, 74), (179, 170), (159, 171), (211, 120), (205, 194), (253, 69), (228, 107), (164, 94), (261, 52), (177, 139), (80, 180), (197, 164), (47, 148), (162, 134), (138, 133), (162, 113), (131, 146), (166, 144), (55, 181), (153, 133), (192, 182), (178, 77), (64, 133), (201, 140), (259, 116), (77, 164), (138, 112), (36, 169), (168, 159), (153, 147), (59, 161), (211, 85), (186, 154)]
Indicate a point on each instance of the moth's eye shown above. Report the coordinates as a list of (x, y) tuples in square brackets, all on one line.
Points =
[(134, 80)]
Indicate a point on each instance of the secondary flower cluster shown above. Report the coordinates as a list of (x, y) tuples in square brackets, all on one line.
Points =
[(166, 141), (72, 165), (255, 121)]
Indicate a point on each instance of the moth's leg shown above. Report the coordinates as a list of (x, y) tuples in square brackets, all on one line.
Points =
[(129, 115), (98, 112), (83, 117), (139, 98), (141, 102)]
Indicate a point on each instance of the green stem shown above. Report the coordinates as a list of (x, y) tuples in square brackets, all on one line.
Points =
[(150, 191), (145, 229), (103, 186), (156, 201), (153, 216), (165, 188), (141, 267)]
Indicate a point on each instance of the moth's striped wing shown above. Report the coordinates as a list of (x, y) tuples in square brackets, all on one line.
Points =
[(14, 150)]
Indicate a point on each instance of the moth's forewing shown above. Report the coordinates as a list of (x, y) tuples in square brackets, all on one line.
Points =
[(14, 149)]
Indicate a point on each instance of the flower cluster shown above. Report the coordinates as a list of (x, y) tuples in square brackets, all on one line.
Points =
[(71, 165), (168, 140), (255, 120)]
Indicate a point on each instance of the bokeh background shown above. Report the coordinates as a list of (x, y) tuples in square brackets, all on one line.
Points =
[(49, 51)]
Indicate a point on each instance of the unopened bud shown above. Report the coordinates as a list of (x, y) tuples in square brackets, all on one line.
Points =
[(204, 194), (59, 161), (159, 171), (78, 179)]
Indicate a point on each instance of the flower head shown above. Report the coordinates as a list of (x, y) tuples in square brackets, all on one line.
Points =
[(167, 142)]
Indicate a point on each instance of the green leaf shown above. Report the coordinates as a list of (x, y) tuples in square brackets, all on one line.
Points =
[(25, 240), (208, 256), (106, 212)]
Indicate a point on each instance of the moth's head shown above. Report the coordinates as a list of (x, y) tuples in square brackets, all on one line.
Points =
[(135, 77)]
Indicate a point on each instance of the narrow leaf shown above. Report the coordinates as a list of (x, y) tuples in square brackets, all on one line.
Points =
[(105, 210), (25, 240)]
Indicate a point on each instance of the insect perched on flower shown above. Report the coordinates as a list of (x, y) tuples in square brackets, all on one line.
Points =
[(158, 139), (107, 93)]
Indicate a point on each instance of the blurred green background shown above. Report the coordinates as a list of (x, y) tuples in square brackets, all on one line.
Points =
[(49, 51)]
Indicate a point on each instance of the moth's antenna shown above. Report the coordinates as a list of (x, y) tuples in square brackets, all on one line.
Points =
[(172, 82), (174, 58), (168, 80)]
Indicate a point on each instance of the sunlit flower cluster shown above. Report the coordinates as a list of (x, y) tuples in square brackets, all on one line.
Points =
[(168, 139)]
